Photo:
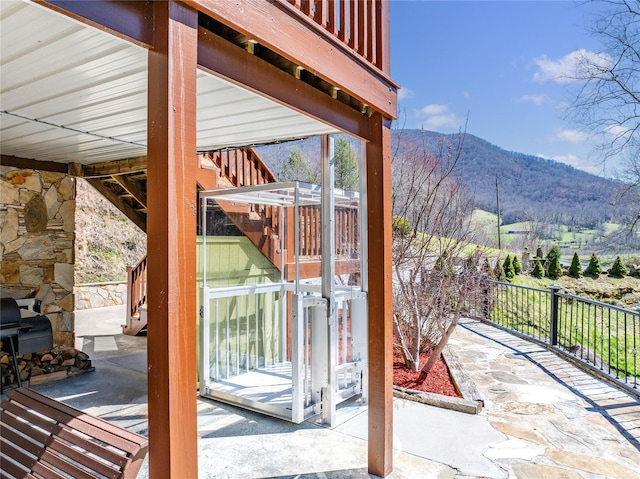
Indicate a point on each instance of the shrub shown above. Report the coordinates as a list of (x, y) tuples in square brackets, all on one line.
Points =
[(487, 269), (554, 252), (509, 272), (517, 267), (555, 270), (618, 269), (575, 270), (594, 268), (538, 270), (498, 271), (401, 226)]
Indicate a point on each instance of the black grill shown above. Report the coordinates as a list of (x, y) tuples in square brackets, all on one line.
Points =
[(22, 335)]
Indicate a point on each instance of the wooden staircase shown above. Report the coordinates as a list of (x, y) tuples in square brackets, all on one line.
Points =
[(124, 183)]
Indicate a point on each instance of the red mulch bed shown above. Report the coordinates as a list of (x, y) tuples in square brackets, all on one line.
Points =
[(438, 380)]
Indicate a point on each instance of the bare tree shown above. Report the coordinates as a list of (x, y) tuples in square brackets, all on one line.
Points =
[(607, 102), (432, 275)]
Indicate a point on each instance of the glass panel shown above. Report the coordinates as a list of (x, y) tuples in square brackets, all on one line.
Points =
[(249, 272)]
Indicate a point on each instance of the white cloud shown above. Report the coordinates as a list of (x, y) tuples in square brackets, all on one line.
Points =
[(575, 65), (569, 136), (577, 162), (618, 131), (404, 93), (535, 99), (437, 117), (434, 109), (466, 95)]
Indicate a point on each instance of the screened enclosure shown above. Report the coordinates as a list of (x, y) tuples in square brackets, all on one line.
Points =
[(283, 326)]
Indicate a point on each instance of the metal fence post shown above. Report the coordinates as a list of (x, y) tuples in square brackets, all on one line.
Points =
[(554, 314), (485, 303)]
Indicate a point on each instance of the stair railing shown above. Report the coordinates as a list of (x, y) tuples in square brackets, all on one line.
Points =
[(136, 287)]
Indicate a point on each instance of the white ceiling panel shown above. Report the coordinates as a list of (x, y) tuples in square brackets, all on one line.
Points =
[(72, 93)]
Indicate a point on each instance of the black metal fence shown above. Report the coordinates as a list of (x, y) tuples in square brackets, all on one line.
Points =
[(604, 336)]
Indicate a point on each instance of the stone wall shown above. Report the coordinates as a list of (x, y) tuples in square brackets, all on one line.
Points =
[(98, 295), (37, 233)]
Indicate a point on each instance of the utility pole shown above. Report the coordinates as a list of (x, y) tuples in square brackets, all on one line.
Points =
[(498, 209)]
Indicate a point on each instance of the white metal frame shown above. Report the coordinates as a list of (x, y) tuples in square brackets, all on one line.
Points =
[(328, 323)]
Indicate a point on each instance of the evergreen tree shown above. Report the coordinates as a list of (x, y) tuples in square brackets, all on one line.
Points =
[(345, 165), (539, 253), (555, 270), (594, 268), (297, 168), (554, 253), (498, 271), (486, 268), (553, 258), (517, 267), (618, 269), (575, 270), (538, 270), (509, 272)]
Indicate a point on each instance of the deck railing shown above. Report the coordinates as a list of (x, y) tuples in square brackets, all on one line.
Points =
[(136, 287), (604, 336), (347, 231), (357, 23)]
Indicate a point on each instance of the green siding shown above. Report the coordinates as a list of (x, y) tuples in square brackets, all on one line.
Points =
[(248, 327), (234, 261)]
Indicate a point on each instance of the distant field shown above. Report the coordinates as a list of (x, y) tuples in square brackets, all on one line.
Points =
[(516, 236)]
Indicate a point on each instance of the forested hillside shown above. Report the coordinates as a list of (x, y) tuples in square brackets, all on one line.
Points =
[(531, 188)]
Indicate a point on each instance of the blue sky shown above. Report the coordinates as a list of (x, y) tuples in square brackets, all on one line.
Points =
[(498, 62)]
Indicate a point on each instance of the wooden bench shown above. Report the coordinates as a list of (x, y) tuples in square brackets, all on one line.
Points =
[(43, 438)]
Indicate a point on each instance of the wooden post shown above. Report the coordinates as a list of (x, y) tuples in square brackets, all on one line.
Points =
[(378, 163), (171, 245)]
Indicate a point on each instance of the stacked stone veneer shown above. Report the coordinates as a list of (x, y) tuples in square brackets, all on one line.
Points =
[(37, 228), (98, 295)]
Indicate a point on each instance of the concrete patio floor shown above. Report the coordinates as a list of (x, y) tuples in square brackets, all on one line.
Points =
[(543, 417)]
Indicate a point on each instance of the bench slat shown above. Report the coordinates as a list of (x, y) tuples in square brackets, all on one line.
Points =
[(55, 429), (29, 462), (73, 470), (52, 444), (79, 421), (106, 426), (48, 436), (9, 470)]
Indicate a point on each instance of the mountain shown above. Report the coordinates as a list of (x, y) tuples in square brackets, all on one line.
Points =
[(531, 188)]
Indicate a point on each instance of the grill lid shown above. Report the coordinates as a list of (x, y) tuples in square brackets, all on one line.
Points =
[(9, 311)]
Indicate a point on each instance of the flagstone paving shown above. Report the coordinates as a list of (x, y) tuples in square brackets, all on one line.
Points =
[(542, 418), (558, 420)]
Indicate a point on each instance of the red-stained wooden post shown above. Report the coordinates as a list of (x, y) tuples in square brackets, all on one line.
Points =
[(378, 161), (171, 246)]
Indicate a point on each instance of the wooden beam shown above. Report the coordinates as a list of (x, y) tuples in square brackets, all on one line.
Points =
[(133, 188), (171, 249), (222, 58), (29, 164), (207, 178), (284, 30), (312, 269), (378, 166), (116, 167), (132, 21), (131, 213)]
